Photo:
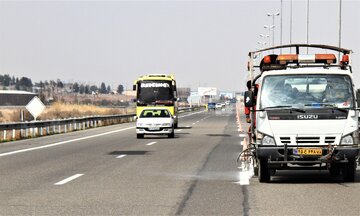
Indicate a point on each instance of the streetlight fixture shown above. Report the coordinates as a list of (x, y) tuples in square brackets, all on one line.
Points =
[(262, 43), (273, 23), (265, 36), (262, 46), (270, 27)]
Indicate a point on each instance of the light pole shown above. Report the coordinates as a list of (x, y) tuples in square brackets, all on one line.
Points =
[(307, 25), (262, 46), (291, 16), (281, 21), (270, 27), (273, 24), (262, 43), (265, 36), (339, 27)]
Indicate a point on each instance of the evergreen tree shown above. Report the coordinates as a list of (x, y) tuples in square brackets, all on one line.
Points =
[(103, 88), (60, 84), (7, 80), (94, 88), (87, 89), (120, 89), (24, 84), (82, 89), (76, 87)]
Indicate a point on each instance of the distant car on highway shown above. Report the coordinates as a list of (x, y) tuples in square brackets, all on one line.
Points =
[(155, 121), (211, 106), (218, 106)]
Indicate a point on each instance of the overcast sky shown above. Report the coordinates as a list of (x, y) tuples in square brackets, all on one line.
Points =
[(203, 43)]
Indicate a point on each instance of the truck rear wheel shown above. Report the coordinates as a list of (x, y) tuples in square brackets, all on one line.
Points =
[(264, 172), (349, 170)]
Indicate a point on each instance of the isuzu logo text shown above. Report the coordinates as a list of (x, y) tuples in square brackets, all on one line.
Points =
[(307, 117)]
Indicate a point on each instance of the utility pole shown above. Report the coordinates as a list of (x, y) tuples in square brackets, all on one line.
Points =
[(290, 23), (307, 26), (340, 1), (281, 16)]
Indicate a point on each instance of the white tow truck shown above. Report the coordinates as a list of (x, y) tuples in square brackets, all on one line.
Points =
[(305, 114)]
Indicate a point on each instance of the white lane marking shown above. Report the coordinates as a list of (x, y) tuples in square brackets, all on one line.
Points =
[(152, 143), (121, 156), (63, 142), (68, 179), (193, 123), (191, 114), (245, 174), (197, 121), (179, 130)]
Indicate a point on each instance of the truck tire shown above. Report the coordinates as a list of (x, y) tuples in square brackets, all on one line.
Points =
[(139, 136), (176, 125), (349, 170), (256, 171), (334, 170), (264, 172)]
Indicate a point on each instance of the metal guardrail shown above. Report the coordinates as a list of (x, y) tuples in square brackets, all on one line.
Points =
[(23, 130)]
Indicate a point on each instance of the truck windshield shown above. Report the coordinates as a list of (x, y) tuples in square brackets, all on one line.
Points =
[(307, 91), (152, 92)]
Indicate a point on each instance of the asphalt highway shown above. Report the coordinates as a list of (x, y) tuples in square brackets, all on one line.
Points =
[(107, 171)]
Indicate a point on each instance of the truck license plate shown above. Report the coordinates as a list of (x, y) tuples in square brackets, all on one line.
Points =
[(154, 128), (308, 151)]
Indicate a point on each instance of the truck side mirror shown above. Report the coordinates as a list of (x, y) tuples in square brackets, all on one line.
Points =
[(134, 87), (249, 99)]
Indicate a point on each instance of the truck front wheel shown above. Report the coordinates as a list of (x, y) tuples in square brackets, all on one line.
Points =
[(349, 170), (264, 172)]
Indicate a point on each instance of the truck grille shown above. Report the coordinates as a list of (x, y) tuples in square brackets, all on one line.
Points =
[(309, 140)]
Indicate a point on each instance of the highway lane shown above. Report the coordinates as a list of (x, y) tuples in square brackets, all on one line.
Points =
[(193, 174), (118, 174)]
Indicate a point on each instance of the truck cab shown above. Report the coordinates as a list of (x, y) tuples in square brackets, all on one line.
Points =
[(306, 113)]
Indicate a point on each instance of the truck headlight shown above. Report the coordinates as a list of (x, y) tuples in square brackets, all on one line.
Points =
[(347, 140), (267, 140), (139, 124), (166, 124)]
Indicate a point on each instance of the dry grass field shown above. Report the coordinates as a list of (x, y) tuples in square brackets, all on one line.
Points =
[(62, 110)]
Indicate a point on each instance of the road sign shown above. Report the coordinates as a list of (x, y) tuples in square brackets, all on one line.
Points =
[(35, 107), (207, 91)]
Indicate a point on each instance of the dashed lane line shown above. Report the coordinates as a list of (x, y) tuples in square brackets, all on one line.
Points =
[(121, 156), (191, 114), (68, 179), (152, 143)]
